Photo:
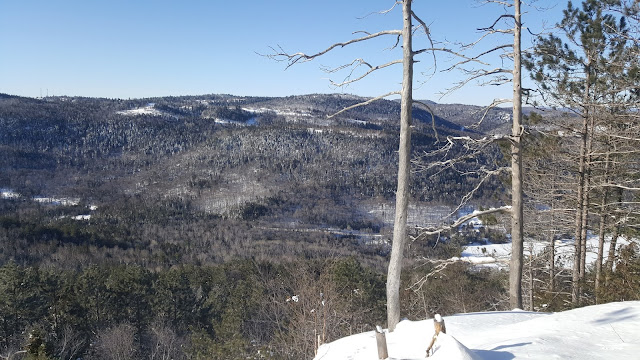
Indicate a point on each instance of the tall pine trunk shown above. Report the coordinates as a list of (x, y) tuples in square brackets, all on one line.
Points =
[(604, 213), (608, 266), (576, 279)]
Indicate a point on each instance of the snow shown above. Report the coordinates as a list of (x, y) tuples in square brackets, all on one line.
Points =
[(282, 112), (497, 255), (608, 331), (251, 122), (147, 110), (82, 217), (447, 347), (57, 201), (8, 194)]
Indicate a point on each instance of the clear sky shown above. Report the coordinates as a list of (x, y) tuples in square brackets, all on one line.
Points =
[(145, 48)]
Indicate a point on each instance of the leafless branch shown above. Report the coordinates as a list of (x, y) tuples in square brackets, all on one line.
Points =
[(383, 12), (433, 117), (280, 55), (477, 57), (503, 3), (440, 265), (487, 174), (356, 63), (364, 103), (492, 27), (10, 355), (428, 33), (426, 231), (493, 105), (471, 146), (621, 187), (474, 75)]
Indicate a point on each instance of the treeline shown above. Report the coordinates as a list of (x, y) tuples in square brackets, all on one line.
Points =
[(583, 168), (237, 310), (163, 233)]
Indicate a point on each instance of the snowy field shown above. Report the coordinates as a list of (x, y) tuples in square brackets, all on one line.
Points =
[(497, 255), (146, 110), (609, 331)]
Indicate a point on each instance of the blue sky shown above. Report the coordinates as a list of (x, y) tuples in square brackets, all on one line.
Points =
[(144, 48)]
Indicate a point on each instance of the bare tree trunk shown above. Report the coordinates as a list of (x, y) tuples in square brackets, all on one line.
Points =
[(584, 224), (532, 288), (603, 229), (601, 234), (585, 202), (552, 246), (517, 241), (580, 198), (552, 264), (575, 274), (404, 168), (608, 266)]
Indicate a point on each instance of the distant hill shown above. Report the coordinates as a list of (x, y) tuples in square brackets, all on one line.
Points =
[(272, 163)]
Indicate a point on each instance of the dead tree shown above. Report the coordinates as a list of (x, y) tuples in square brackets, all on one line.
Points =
[(406, 100), (478, 69)]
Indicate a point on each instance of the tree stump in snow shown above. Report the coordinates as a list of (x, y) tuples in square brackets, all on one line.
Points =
[(438, 325), (381, 341)]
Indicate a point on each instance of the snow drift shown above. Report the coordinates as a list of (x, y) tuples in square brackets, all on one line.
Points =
[(608, 331)]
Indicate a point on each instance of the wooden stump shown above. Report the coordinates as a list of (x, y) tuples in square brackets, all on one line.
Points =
[(381, 340), (438, 326)]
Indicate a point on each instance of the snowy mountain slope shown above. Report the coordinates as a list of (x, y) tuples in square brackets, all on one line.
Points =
[(609, 331)]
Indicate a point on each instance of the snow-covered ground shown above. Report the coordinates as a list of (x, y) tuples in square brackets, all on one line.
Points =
[(57, 201), (8, 194), (146, 110), (12, 195), (251, 122), (497, 255), (609, 331), (282, 112)]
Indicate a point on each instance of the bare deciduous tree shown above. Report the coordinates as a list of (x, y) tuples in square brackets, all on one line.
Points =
[(482, 70), (116, 343), (165, 343)]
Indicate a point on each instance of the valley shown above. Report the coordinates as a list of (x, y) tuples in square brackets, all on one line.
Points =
[(275, 170)]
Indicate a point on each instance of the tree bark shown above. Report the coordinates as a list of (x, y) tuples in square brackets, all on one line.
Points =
[(517, 243), (552, 245), (580, 198), (608, 266), (404, 168), (586, 198), (603, 229), (532, 287)]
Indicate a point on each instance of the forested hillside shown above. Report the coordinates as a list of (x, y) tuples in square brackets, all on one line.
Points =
[(262, 172), (109, 206)]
